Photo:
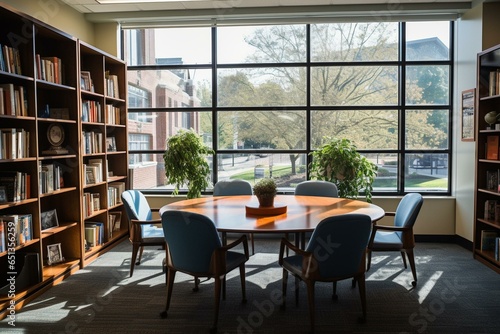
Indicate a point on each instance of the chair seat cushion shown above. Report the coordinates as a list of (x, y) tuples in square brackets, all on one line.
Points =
[(152, 231), (384, 240), (293, 263), (234, 260)]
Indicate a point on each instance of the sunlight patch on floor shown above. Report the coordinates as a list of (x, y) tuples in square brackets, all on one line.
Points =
[(424, 291)]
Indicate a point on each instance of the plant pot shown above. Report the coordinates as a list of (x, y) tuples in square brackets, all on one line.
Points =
[(266, 200)]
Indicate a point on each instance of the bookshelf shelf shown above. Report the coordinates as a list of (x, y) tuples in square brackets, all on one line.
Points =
[(486, 199), (48, 78)]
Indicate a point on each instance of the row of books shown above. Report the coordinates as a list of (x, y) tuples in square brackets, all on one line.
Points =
[(92, 142), (494, 83), (115, 190), (94, 233), (112, 114), (91, 203), (14, 143), (49, 69), (13, 100), (10, 59), (91, 111), (15, 230), (51, 177), (93, 171), (490, 241), (112, 88), (14, 186)]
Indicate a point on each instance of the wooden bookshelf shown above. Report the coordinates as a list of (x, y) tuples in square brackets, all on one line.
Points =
[(487, 217), (48, 104)]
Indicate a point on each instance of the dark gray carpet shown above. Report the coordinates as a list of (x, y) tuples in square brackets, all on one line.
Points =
[(455, 294)]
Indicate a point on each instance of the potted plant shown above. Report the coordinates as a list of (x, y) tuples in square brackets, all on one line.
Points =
[(339, 162), (186, 162), (265, 190)]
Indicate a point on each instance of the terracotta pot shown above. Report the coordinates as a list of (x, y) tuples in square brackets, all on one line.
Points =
[(266, 200)]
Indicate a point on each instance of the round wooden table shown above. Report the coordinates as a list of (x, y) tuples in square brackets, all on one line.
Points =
[(303, 212)]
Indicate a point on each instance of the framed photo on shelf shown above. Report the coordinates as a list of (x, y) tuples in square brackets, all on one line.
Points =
[(467, 114), (111, 144), (54, 254), (49, 219)]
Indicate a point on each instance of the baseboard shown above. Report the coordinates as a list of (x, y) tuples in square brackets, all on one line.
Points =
[(453, 239)]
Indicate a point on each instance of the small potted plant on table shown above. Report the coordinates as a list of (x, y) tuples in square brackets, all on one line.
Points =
[(265, 190)]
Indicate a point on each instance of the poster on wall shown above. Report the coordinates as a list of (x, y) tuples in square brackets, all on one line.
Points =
[(468, 102)]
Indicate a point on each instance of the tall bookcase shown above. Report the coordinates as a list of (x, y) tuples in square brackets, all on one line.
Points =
[(487, 189), (45, 73)]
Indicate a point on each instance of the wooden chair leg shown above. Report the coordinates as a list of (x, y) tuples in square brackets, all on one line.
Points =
[(217, 290), (284, 283), (250, 236), (243, 283), (135, 249), (404, 259), (140, 255), (369, 259), (362, 295), (411, 259), (170, 285), (310, 298)]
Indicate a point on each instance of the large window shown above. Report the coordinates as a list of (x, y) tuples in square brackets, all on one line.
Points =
[(264, 97)]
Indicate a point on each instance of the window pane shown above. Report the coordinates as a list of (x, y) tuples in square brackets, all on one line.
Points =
[(427, 84), (276, 86), (354, 85), (168, 45), (426, 172), (368, 129), (170, 89), (262, 44), (427, 129), (161, 125), (286, 169), (427, 40), (271, 129), (387, 173), (353, 42)]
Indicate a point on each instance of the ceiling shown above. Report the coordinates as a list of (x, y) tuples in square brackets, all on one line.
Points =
[(144, 10)]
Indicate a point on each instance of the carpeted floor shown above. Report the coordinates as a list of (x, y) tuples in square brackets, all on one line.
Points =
[(455, 294)]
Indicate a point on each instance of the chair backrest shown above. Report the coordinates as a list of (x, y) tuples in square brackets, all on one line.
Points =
[(191, 239), (407, 210), (339, 243), (136, 205), (232, 188), (316, 188)]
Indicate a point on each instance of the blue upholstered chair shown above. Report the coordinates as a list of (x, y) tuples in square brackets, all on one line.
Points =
[(234, 188), (336, 251), (194, 248), (400, 236), (316, 188), (143, 229)]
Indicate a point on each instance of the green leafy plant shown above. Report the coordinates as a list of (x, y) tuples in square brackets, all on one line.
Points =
[(265, 190), (338, 161), (186, 162)]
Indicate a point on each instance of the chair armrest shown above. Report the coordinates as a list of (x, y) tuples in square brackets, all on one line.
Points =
[(285, 243), (241, 240), (136, 225), (391, 228), (390, 214)]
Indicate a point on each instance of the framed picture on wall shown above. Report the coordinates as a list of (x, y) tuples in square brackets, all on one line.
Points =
[(468, 114)]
